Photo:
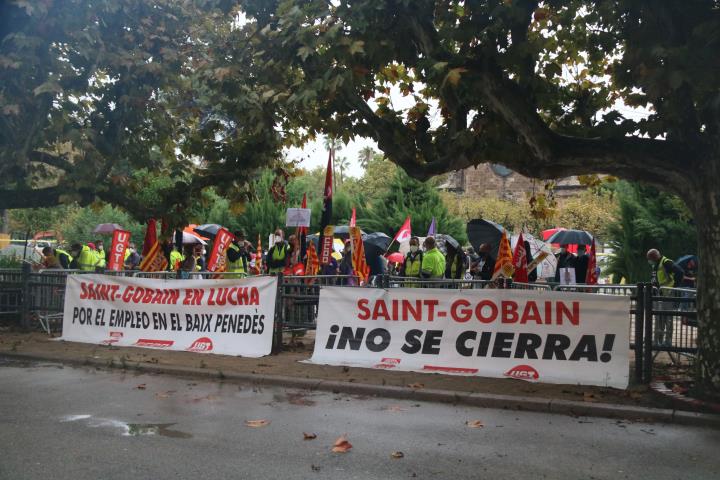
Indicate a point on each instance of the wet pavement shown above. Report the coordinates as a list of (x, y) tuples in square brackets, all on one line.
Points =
[(59, 422)]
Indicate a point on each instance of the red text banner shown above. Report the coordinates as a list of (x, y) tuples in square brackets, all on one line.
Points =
[(231, 317), (217, 261), (120, 242), (554, 337)]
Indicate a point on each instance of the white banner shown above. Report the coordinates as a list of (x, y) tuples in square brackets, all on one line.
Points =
[(231, 317), (297, 217), (553, 337)]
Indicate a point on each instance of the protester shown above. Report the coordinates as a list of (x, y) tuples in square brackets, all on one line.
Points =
[(455, 263), (294, 253), (483, 267), (176, 258), (581, 264), (100, 254), (83, 257), (64, 258), (532, 274), (565, 259), (346, 268), (50, 259), (238, 255), (665, 274), (132, 258), (187, 266), (689, 275), (433, 263), (412, 266), (200, 261), (277, 255)]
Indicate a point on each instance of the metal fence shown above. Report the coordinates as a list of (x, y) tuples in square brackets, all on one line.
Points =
[(663, 326)]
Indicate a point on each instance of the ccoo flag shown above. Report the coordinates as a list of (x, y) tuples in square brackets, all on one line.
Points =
[(326, 241)]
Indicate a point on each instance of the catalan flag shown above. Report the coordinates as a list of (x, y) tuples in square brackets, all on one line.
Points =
[(357, 249), (153, 257), (259, 257), (312, 264), (504, 263)]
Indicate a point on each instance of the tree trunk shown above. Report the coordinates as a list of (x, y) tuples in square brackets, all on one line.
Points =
[(5, 219), (706, 210)]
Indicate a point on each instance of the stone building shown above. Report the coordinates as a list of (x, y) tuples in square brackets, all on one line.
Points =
[(493, 180)]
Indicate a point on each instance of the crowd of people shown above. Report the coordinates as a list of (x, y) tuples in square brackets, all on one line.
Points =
[(424, 261)]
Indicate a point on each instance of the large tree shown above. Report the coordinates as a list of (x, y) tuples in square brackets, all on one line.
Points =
[(107, 99), (541, 87)]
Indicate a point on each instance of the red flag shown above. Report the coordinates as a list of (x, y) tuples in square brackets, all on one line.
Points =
[(150, 236), (153, 258), (301, 232), (217, 261), (120, 241), (404, 233), (352, 218), (591, 277), (326, 240), (520, 261)]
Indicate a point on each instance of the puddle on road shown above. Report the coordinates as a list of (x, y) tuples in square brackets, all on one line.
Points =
[(162, 429), (129, 429)]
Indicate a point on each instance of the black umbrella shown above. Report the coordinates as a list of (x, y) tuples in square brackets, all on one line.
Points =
[(444, 241), (376, 243), (684, 262), (343, 231), (484, 231), (208, 230), (571, 237)]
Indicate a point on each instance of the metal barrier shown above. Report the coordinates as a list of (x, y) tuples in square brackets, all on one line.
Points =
[(666, 324), (299, 297), (663, 322)]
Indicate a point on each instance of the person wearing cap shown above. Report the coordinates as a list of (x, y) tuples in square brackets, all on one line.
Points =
[(665, 274)]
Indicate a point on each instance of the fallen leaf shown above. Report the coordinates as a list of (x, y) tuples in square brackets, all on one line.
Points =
[(309, 436), (142, 386), (679, 389), (416, 385), (397, 455), (257, 423), (475, 424), (341, 445), (589, 397)]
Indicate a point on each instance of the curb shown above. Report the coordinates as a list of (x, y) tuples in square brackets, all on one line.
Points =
[(483, 400)]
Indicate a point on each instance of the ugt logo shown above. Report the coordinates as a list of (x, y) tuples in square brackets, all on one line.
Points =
[(202, 344), (523, 372)]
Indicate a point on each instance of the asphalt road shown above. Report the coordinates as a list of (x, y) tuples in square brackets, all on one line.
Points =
[(72, 423)]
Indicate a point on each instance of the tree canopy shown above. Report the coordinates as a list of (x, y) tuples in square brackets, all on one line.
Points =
[(93, 92)]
